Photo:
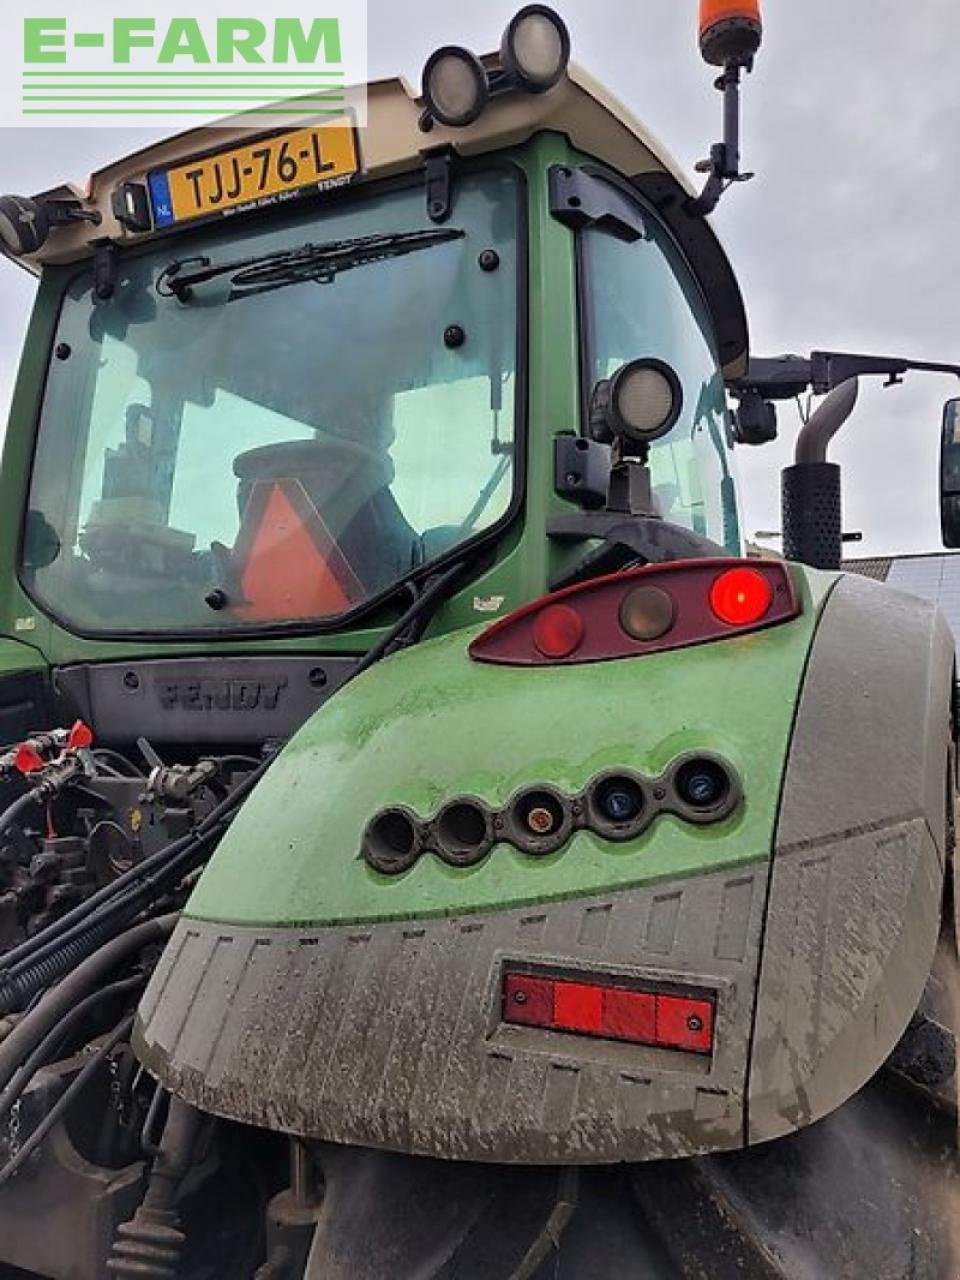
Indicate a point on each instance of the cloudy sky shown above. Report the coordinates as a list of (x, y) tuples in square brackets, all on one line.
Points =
[(848, 238)]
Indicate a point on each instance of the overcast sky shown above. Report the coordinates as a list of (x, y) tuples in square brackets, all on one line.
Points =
[(847, 239)]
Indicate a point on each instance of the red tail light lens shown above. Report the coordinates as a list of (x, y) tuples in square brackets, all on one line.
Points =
[(606, 1012), (557, 631), (648, 610), (741, 597)]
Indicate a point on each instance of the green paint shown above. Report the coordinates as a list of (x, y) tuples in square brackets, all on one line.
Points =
[(16, 658), (430, 725)]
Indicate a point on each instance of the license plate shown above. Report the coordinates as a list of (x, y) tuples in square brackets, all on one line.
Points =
[(263, 171)]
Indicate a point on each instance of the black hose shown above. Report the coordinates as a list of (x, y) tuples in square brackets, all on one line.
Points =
[(62, 1104), (434, 589), (50, 953), (87, 908), (13, 811), (57, 1002), (54, 1038), (101, 923)]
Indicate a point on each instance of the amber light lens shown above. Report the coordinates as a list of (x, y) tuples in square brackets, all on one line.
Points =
[(558, 631), (714, 11), (740, 597), (647, 613)]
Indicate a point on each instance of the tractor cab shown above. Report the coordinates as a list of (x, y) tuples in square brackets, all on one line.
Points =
[(431, 339)]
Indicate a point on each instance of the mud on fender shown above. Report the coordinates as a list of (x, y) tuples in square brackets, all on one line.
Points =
[(857, 876)]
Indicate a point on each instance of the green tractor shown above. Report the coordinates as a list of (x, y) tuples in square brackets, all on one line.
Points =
[(430, 848)]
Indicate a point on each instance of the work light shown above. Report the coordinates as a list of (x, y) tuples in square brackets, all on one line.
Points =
[(645, 400), (24, 225), (535, 48), (455, 86)]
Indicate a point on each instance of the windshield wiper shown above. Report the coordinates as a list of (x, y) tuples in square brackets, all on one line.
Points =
[(317, 263)]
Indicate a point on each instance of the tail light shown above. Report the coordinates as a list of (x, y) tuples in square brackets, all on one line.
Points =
[(606, 1011), (648, 610)]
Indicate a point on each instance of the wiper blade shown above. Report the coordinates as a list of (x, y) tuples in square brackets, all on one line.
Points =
[(317, 263)]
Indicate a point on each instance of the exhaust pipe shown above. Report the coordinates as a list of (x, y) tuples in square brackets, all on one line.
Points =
[(811, 489)]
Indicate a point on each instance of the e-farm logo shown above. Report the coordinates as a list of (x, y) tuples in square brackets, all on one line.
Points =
[(92, 65)]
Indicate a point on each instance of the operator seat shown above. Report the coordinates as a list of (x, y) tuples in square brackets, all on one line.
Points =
[(320, 531)]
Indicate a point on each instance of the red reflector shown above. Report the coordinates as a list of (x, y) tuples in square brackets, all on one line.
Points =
[(528, 1001), (607, 1012), (578, 1007), (557, 631), (630, 1015), (740, 597), (683, 1023)]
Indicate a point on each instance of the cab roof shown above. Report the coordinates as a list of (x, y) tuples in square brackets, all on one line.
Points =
[(392, 142)]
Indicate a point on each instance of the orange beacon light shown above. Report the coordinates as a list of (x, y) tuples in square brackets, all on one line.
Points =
[(730, 31)]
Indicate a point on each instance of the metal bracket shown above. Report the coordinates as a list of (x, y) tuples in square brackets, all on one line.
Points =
[(439, 185), (582, 470), (104, 269), (581, 199)]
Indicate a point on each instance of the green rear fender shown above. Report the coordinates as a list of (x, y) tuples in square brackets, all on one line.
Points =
[(430, 725)]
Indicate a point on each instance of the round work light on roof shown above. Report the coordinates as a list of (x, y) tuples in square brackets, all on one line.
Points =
[(646, 400), (24, 225), (535, 48), (455, 86)]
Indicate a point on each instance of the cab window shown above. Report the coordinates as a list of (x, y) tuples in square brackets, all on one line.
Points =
[(640, 299)]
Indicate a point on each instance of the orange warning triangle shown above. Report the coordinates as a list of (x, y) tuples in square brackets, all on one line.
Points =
[(286, 574)]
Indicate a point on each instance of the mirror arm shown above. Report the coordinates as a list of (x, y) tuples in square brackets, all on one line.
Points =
[(785, 377)]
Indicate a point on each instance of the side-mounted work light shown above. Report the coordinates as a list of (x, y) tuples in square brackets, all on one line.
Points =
[(534, 54), (25, 224), (640, 403)]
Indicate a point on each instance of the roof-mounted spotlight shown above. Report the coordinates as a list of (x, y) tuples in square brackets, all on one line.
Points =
[(535, 49), (455, 87), (534, 54), (25, 224)]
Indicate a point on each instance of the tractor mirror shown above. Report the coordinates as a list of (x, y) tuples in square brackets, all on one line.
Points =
[(950, 475)]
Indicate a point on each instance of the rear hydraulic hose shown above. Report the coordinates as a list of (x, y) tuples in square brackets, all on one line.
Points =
[(20, 981), (17, 990), (31, 965), (11, 815), (54, 1038), (58, 1002)]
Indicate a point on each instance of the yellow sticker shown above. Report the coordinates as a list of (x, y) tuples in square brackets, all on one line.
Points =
[(271, 167)]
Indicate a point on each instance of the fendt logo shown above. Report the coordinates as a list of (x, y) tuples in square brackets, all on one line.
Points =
[(102, 67)]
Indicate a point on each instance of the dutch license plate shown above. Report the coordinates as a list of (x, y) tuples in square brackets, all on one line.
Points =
[(270, 167)]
